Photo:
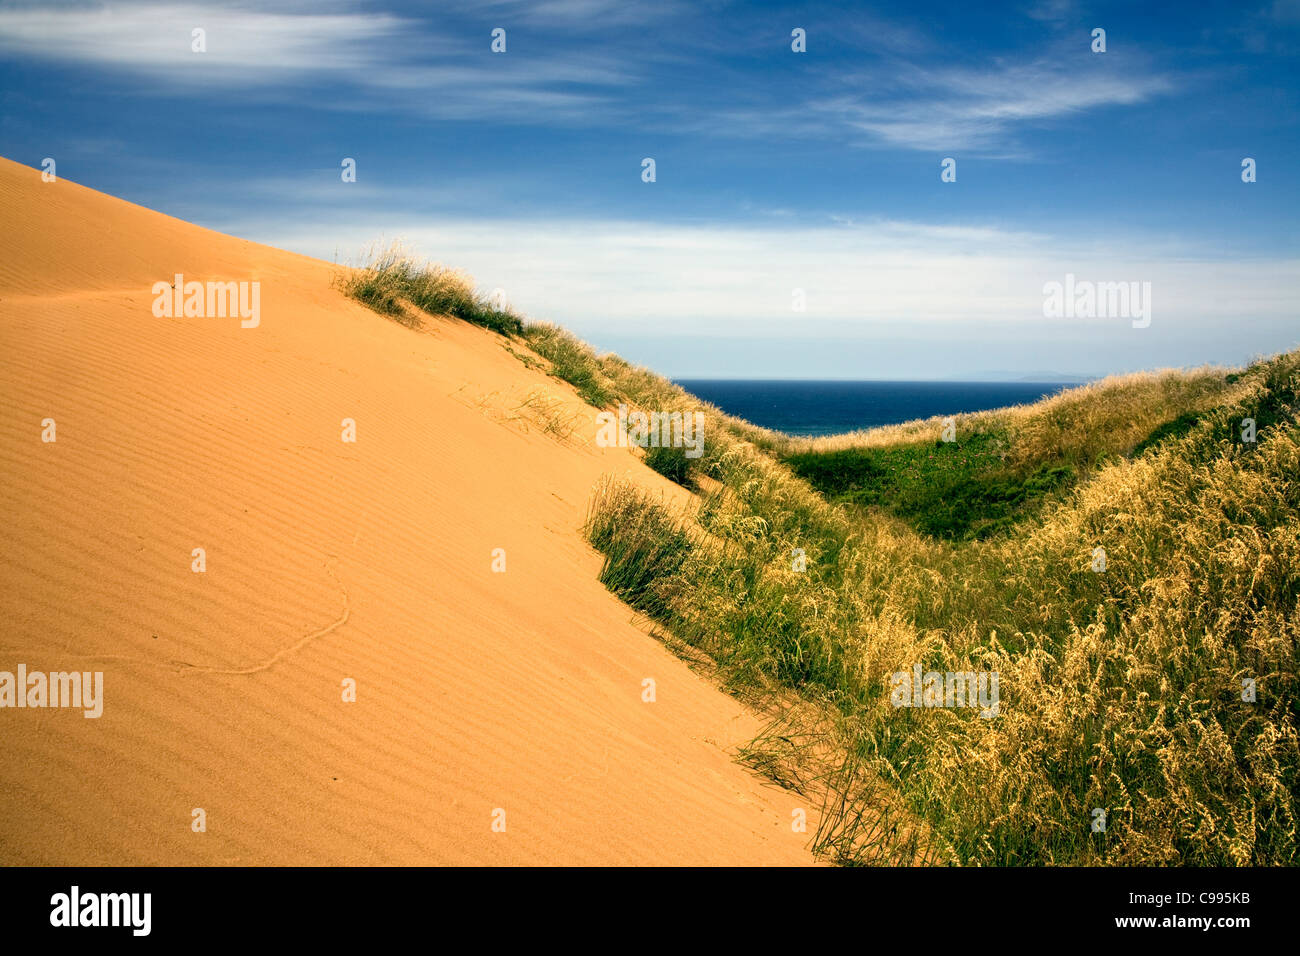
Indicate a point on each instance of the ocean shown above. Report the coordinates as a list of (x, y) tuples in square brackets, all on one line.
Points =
[(827, 408)]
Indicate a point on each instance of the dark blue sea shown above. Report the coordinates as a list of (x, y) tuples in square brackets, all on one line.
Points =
[(827, 408)]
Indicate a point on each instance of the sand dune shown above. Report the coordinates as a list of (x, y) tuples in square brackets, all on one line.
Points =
[(326, 560)]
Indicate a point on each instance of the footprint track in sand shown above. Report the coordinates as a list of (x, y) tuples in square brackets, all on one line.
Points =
[(185, 667)]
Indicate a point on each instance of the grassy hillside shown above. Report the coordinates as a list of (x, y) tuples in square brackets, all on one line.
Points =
[(1001, 466), (1121, 689)]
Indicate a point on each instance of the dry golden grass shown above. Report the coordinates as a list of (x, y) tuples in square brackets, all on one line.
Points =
[(1120, 691), (395, 283)]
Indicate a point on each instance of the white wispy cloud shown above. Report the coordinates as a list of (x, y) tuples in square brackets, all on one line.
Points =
[(281, 49), (884, 299), (596, 15), (244, 45), (861, 278), (979, 108)]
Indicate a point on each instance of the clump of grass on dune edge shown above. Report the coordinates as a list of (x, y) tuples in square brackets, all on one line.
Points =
[(390, 282), (398, 285)]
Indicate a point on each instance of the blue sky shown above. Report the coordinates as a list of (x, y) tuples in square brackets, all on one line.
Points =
[(775, 170)]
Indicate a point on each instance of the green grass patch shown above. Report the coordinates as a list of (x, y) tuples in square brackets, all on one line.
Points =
[(957, 490)]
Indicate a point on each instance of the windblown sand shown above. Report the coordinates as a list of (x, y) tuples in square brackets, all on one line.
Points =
[(326, 560)]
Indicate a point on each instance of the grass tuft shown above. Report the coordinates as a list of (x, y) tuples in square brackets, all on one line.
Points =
[(393, 283)]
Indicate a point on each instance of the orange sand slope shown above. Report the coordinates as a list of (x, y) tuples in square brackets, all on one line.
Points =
[(325, 560)]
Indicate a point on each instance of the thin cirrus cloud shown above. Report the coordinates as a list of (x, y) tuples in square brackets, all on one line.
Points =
[(407, 65), (598, 15), (978, 110), (1050, 10), (980, 107), (247, 45), (400, 62)]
